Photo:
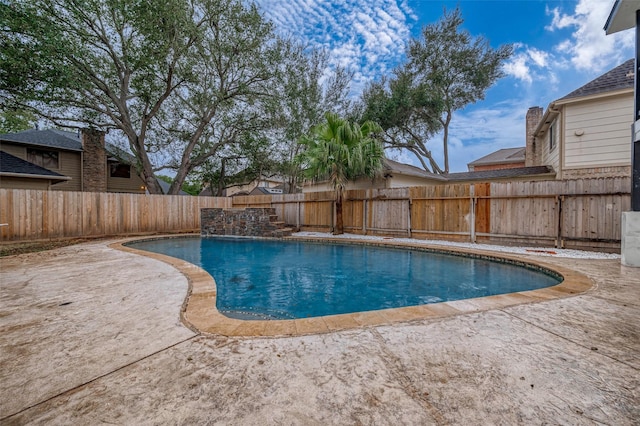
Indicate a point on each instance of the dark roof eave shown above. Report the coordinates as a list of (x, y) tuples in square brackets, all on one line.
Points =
[(503, 174), (34, 176)]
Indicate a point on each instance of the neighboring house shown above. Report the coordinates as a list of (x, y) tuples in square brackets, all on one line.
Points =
[(394, 175), (166, 185), (400, 175), (507, 158), (79, 162), (586, 133), (20, 174), (258, 186)]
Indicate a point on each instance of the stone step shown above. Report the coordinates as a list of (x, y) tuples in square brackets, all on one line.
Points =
[(283, 232)]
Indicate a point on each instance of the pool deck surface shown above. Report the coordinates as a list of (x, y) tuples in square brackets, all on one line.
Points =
[(91, 334)]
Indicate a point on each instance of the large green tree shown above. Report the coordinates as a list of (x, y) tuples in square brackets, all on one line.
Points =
[(446, 69), (179, 79), (339, 151), (307, 88)]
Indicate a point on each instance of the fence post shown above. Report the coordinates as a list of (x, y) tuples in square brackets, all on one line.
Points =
[(333, 216), (409, 219), (364, 216), (472, 213), (559, 199), (298, 216)]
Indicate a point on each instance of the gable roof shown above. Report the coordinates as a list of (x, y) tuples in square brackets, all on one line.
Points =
[(392, 166), (621, 77), (505, 155), (50, 138), (166, 185), (10, 165)]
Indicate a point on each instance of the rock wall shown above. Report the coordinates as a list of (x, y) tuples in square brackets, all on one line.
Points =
[(249, 222)]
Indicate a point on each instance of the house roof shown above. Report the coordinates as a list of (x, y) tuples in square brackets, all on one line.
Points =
[(622, 16), (50, 138), (11, 165), (409, 170), (505, 155), (621, 77), (166, 185), (500, 173)]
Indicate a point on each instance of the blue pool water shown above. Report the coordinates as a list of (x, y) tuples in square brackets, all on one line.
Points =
[(266, 279)]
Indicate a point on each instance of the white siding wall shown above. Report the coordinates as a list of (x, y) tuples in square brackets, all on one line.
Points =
[(551, 157), (605, 125)]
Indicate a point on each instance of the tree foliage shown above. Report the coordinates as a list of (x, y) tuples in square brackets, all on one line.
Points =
[(180, 79), (339, 151), (446, 69), (307, 89), (12, 120)]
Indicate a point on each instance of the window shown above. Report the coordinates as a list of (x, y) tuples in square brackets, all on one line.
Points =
[(46, 159), (119, 170), (552, 137)]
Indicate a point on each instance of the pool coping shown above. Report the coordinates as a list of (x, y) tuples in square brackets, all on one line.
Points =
[(199, 313)]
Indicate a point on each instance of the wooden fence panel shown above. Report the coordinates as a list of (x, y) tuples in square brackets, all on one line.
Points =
[(33, 214), (583, 213), (353, 210), (442, 210), (483, 207)]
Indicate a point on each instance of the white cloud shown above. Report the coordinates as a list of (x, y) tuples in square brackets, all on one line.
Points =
[(517, 67), (588, 48), (366, 36)]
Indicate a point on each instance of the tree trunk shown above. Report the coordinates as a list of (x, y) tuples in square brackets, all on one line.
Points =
[(445, 142), (339, 225)]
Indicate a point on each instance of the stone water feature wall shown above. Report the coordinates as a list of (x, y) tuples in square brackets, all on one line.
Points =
[(249, 222)]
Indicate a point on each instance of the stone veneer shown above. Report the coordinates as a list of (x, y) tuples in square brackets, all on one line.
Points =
[(94, 161), (533, 150), (249, 222)]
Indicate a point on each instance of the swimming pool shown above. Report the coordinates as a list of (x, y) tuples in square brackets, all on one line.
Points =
[(268, 279)]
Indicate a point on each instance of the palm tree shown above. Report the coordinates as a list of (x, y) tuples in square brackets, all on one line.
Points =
[(340, 151)]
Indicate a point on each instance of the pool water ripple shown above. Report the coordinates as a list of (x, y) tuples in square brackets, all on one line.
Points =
[(275, 279)]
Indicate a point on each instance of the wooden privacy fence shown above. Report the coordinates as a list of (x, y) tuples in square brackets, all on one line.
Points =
[(33, 215), (581, 213)]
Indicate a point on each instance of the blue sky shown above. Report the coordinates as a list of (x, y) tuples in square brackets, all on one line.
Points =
[(559, 46)]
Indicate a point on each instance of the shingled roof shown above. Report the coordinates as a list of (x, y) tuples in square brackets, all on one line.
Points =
[(14, 166), (50, 138), (500, 173), (621, 77), (391, 166), (501, 156)]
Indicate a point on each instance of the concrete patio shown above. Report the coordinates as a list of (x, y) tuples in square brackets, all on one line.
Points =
[(89, 335)]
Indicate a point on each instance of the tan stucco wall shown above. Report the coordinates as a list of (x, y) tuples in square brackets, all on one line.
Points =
[(359, 184), (396, 181)]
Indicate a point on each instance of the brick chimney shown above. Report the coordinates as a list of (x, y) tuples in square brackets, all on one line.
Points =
[(94, 161), (533, 150)]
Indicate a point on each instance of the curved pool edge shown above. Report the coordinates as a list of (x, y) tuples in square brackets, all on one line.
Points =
[(199, 312)]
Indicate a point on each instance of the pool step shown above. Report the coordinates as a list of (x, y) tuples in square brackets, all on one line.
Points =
[(282, 232)]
